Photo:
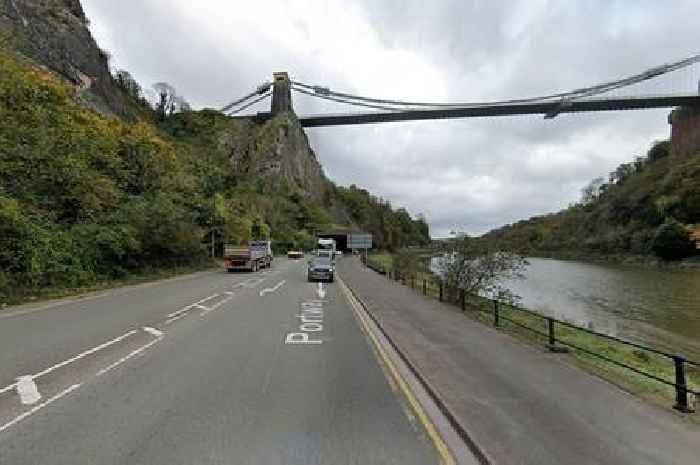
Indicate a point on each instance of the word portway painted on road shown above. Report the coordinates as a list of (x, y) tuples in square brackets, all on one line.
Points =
[(310, 324)]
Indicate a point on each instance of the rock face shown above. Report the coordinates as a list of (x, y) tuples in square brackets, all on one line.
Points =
[(55, 34), (277, 152), (685, 130)]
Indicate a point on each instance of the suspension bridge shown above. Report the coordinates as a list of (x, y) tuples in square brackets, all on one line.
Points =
[(594, 98)]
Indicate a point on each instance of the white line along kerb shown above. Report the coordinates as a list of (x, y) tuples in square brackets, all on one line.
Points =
[(273, 289)]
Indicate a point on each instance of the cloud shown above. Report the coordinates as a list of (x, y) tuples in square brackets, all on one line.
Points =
[(468, 175)]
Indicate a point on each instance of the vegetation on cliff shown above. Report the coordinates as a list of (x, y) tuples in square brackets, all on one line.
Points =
[(646, 207), (86, 197)]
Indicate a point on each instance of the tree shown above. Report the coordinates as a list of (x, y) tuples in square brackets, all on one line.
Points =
[(478, 270), (592, 191), (660, 149), (167, 101), (672, 241), (125, 80)]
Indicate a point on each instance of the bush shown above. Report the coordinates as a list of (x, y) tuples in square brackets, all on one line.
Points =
[(671, 241)]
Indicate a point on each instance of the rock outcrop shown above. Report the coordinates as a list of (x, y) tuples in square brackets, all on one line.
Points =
[(276, 152), (55, 34)]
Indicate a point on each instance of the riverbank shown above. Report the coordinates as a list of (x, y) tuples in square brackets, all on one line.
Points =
[(642, 261)]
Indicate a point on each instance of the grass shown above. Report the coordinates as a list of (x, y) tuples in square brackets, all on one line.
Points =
[(515, 322), (143, 276)]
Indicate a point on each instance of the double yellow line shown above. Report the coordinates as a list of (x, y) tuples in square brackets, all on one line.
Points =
[(446, 456)]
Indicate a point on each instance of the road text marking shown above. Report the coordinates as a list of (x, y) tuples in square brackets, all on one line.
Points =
[(311, 322)]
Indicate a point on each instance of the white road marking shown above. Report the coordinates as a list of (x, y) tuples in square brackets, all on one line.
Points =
[(35, 409), (229, 292), (155, 332), (321, 291), (73, 359), (175, 318), (86, 353), (131, 354), (273, 289), (27, 390), (196, 304), (217, 305)]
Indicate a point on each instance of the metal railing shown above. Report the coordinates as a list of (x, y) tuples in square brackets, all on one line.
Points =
[(435, 288)]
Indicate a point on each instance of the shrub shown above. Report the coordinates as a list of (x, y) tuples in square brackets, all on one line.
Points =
[(671, 241)]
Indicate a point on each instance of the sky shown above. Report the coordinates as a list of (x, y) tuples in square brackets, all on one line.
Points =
[(464, 175)]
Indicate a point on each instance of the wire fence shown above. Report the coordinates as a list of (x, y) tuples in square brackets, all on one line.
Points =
[(563, 336)]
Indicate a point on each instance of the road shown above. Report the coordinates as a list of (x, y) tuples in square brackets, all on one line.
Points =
[(211, 368)]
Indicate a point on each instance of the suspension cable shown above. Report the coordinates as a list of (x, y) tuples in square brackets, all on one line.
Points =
[(250, 104), (576, 93), (342, 100), (262, 88)]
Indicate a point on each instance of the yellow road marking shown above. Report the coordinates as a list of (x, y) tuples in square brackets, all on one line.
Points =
[(444, 452)]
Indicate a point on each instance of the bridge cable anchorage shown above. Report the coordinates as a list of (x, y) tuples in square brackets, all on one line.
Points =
[(261, 89), (250, 104), (651, 73)]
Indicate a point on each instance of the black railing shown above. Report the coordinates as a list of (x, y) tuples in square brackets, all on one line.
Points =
[(554, 343)]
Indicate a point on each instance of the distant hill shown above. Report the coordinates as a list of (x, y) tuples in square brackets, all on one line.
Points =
[(647, 207), (95, 184)]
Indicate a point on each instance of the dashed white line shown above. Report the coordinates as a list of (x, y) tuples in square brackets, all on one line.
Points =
[(321, 291), (196, 304), (131, 354), (35, 409), (215, 306), (73, 359), (273, 289), (175, 318), (153, 331), (27, 390)]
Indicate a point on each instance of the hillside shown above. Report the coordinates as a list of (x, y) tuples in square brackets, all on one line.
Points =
[(88, 194), (647, 207)]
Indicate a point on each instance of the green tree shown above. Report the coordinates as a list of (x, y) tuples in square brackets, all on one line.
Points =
[(672, 241)]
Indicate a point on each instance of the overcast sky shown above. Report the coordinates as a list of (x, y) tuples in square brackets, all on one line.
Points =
[(466, 175)]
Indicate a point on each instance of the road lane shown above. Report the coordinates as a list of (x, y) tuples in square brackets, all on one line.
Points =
[(29, 342), (224, 388)]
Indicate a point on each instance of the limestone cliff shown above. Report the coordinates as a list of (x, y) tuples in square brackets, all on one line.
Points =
[(275, 151), (55, 34)]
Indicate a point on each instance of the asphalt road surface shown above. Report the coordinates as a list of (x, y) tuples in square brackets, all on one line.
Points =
[(212, 368)]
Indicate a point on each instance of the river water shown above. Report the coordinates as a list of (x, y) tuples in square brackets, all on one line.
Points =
[(658, 307)]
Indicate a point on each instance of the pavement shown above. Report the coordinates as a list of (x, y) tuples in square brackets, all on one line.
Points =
[(210, 368), (517, 403)]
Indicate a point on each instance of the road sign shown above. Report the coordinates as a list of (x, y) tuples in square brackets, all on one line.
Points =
[(359, 241)]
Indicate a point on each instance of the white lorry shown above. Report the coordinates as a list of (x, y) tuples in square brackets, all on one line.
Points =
[(326, 248)]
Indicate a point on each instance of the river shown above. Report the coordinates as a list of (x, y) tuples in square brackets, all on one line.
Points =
[(659, 307)]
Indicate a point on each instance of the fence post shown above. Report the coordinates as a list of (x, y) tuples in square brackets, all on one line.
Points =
[(552, 340), (425, 287), (462, 299), (681, 388), (496, 319), (413, 282), (440, 298)]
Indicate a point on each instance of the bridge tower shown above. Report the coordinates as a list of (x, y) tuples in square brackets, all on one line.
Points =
[(281, 93)]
